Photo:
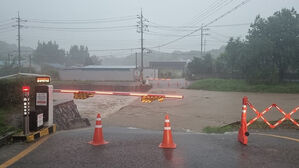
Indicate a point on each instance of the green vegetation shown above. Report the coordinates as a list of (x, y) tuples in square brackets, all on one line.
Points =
[(11, 98), (268, 54), (4, 127), (242, 86), (219, 130), (51, 53)]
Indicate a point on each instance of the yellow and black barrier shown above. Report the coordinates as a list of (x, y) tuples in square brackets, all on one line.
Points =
[(34, 135)]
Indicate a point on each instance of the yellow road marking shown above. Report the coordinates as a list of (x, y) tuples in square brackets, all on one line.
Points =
[(24, 153), (278, 136)]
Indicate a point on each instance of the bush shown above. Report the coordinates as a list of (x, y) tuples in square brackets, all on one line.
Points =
[(11, 90)]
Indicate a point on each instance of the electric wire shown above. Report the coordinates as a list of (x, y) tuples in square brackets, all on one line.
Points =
[(198, 29)]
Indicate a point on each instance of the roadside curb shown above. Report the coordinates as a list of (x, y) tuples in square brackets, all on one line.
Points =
[(35, 135), (4, 139)]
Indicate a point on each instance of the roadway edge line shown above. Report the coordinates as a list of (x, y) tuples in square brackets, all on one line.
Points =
[(24, 152), (278, 136)]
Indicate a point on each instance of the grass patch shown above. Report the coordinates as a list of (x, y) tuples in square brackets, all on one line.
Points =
[(5, 127), (242, 86), (219, 130), (256, 125)]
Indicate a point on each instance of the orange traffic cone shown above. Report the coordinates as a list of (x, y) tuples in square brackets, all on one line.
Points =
[(243, 132), (98, 138), (167, 136)]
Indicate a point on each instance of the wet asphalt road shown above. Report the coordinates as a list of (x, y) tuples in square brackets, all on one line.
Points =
[(138, 148)]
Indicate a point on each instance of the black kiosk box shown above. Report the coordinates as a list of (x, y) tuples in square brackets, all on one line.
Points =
[(36, 120)]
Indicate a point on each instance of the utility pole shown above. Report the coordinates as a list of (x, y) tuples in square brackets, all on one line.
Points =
[(141, 28), (141, 33), (202, 41), (30, 63), (204, 45), (19, 42), (19, 26), (136, 60), (8, 59)]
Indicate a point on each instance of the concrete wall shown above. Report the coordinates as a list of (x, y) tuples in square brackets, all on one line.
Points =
[(66, 116), (97, 75), (150, 73), (171, 73)]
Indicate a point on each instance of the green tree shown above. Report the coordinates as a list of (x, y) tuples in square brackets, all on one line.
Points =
[(268, 53), (79, 55), (232, 58), (204, 65), (48, 53), (273, 46)]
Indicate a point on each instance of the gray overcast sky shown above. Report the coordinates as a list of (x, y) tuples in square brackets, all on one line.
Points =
[(158, 12)]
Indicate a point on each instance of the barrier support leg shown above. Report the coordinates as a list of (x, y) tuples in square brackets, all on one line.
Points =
[(243, 132)]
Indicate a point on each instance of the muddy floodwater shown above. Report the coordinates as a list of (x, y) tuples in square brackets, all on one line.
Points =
[(197, 110)]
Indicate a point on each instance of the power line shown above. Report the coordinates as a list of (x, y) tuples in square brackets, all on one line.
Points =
[(166, 35), (207, 9), (198, 29), (5, 28), (5, 24), (212, 11), (82, 20), (9, 30), (228, 12), (115, 49), (190, 28), (216, 38), (81, 28), (220, 34), (3, 21), (231, 25)]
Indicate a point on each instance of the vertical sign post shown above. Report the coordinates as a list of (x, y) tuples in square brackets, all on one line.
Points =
[(26, 109)]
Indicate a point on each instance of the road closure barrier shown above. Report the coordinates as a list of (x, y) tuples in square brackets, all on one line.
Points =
[(243, 131), (98, 138), (167, 141)]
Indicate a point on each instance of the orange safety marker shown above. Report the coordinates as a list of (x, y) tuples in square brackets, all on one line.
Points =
[(167, 141), (98, 138), (243, 132)]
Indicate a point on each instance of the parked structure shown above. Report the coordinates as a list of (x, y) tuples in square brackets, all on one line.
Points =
[(169, 69)]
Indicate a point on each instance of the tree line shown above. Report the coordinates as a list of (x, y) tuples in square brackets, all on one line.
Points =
[(51, 53), (268, 54)]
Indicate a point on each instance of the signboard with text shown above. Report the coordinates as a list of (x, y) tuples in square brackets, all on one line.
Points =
[(41, 99)]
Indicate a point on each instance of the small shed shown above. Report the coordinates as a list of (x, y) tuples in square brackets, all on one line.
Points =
[(171, 69)]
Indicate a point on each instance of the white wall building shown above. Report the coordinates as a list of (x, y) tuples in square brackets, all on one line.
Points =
[(99, 73)]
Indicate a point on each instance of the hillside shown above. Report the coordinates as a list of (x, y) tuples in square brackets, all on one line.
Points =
[(12, 49), (158, 56)]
